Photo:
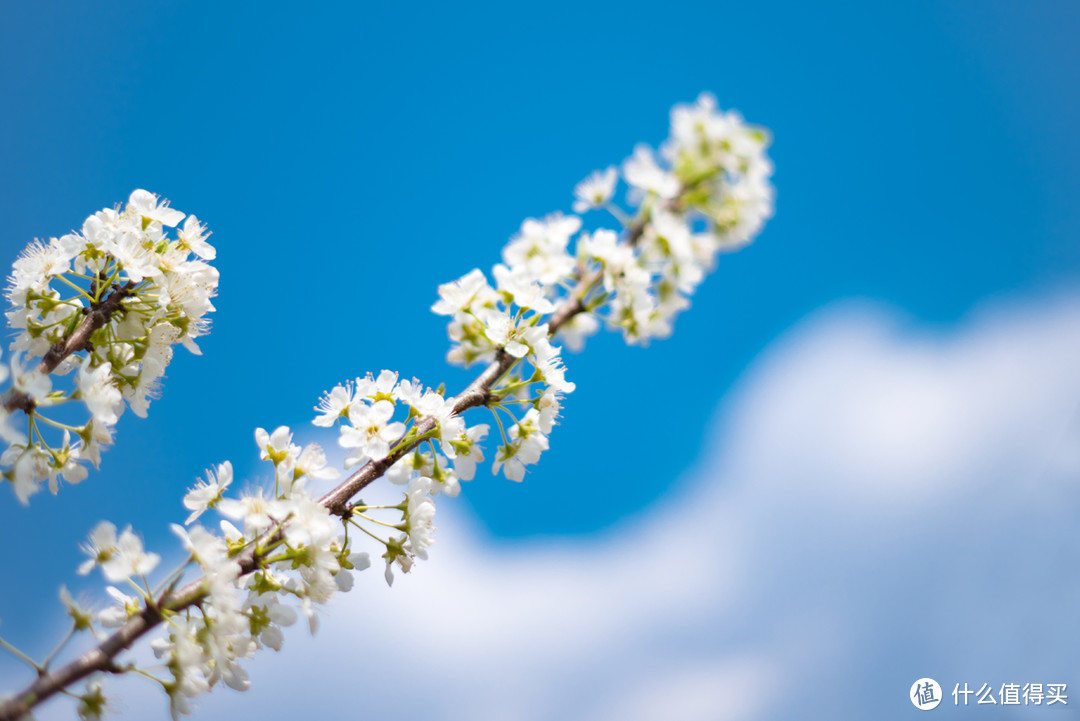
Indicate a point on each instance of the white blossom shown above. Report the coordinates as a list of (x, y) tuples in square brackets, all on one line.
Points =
[(334, 405), (540, 248), (102, 398), (595, 190), (194, 235), (504, 331), (642, 172), (527, 442), (257, 511), (419, 513), (117, 616), (310, 523), (206, 494), (120, 557), (82, 617), (379, 388), (146, 205), (268, 617), (275, 446), (371, 432), (463, 293), (468, 450), (312, 463)]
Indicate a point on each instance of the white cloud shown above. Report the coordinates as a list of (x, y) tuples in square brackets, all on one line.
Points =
[(883, 502)]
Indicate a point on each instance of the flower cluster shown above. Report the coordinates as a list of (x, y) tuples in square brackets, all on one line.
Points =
[(281, 552), (708, 192), (107, 303), (441, 451), (509, 319), (296, 553)]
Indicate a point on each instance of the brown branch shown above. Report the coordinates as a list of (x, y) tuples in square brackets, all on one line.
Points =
[(96, 316), (336, 501), (476, 394)]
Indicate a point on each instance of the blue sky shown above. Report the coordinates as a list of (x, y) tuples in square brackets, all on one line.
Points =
[(350, 157)]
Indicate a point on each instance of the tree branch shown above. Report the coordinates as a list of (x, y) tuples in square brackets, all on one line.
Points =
[(96, 317), (101, 658)]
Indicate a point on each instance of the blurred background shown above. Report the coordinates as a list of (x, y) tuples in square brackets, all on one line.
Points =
[(854, 465)]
